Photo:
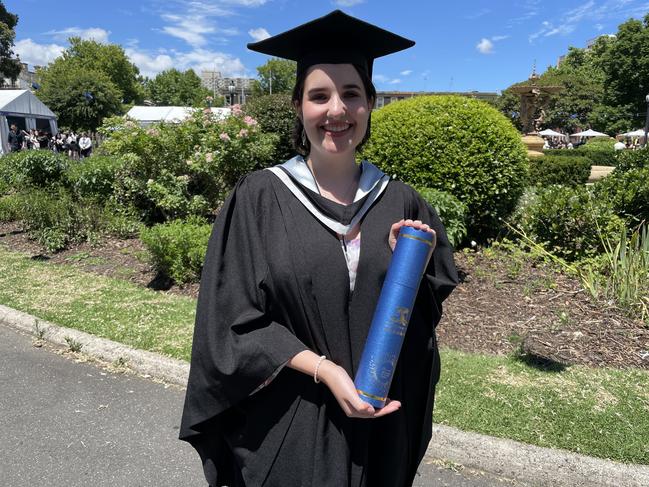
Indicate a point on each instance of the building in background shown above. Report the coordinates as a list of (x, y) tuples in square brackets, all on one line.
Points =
[(386, 97), (589, 45), (233, 90), (26, 80)]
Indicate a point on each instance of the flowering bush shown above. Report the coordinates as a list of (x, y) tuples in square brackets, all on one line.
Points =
[(173, 171)]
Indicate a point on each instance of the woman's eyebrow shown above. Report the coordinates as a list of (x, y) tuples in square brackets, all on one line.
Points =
[(316, 90)]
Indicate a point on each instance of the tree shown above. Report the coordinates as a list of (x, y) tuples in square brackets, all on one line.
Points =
[(173, 87), (581, 97), (109, 59), (276, 115), (626, 68), (276, 76), (9, 66), (81, 98)]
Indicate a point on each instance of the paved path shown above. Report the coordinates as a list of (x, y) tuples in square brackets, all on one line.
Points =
[(68, 424)]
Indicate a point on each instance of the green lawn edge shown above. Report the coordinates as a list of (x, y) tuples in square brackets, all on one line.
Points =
[(597, 412)]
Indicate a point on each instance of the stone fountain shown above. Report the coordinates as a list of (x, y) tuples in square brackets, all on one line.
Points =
[(533, 100)]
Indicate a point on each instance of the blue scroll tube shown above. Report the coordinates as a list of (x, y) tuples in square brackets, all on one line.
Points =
[(392, 314)]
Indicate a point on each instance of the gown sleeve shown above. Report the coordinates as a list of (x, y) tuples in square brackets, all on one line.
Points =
[(441, 274), (236, 346)]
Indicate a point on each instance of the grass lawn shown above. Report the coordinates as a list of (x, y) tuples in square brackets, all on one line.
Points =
[(598, 412), (106, 307)]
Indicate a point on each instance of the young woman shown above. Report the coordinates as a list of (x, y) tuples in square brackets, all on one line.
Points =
[(292, 275)]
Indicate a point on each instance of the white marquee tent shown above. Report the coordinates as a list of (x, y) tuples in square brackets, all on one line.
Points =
[(150, 115), (23, 108)]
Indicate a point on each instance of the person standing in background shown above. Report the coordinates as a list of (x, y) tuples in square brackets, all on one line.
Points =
[(15, 139), (85, 145)]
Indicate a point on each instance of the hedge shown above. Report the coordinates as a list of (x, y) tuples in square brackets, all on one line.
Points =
[(569, 171), (178, 248), (454, 144)]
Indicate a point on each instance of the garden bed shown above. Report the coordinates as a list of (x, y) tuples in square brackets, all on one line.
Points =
[(507, 303)]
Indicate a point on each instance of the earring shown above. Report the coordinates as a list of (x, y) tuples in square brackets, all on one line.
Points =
[(303, 137)]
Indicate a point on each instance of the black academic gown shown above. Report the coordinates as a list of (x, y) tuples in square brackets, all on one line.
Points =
[(275, 283)]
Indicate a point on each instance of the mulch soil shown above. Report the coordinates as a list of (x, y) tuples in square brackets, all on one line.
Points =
[(505, 304)]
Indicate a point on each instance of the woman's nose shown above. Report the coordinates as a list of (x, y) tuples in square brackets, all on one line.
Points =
[(336, 106)]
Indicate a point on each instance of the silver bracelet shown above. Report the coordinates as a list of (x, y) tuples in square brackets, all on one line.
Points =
[(317, 367)]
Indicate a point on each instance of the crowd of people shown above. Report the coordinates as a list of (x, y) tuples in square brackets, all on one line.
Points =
[(558, 143), (75, 146), (564, 143)]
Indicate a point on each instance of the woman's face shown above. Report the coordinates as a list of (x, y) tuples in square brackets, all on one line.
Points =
[(334, 108)]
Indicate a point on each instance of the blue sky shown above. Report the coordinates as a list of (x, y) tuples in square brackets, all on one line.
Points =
[(461, 46)]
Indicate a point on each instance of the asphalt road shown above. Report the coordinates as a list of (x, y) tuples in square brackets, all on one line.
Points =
[(65, 423)]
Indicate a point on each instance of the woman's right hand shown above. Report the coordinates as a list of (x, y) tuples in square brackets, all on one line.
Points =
[(342, 387)]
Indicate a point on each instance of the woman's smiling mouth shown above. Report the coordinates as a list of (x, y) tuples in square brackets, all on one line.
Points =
[(336, 128)]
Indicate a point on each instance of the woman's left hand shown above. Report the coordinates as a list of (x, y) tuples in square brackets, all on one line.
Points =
[(418, 224)]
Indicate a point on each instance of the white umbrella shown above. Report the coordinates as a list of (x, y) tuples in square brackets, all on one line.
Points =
[(589, 133), (635, 133), (551, 133)]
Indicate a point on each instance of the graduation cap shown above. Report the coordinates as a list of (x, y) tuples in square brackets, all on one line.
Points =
[(336, 38)]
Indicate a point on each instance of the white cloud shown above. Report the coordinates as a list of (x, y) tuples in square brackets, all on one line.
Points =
[(591, 12), (395, 81), (406, 72), (347, 3), (150, 65), (247, 3), (485, 46), (563, 29), (499, 38), (531, 9), (380, 78), (578, 13), (95, 33), (545, 27), (193, 28), (199, 60), (259, 34), (36, 54), (477, 14)]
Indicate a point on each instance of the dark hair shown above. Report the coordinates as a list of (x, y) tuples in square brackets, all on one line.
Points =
[(303, 146)]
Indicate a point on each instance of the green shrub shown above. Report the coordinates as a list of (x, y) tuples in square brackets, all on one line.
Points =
[(569, 171), (33, 168), (275, 114), (55, 219), (601, 143), (178, 248), (628, 193), (569, 222), (173, 171), (122, 222), (632, 159), (455, 144), (93, 177), (451, 211), (600, 152), (9, 209)]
